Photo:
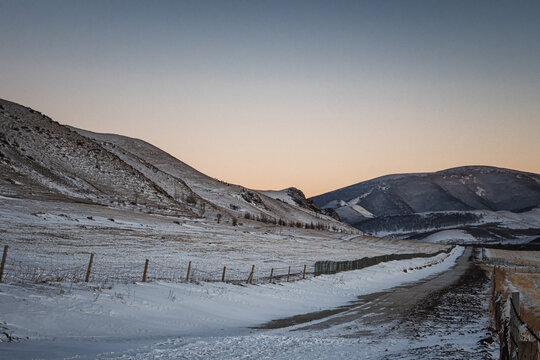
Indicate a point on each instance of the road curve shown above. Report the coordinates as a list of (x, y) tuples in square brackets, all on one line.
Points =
[(380, 306)]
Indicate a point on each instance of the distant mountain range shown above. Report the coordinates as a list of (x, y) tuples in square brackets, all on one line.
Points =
[(491, 203), (42, 159)]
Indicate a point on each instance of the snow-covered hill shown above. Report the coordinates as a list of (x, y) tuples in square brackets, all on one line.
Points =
[(463, 188), (497, 203), (207, 194), (40, 158)]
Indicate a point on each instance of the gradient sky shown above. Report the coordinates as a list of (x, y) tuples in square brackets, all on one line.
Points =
[(315, 94)]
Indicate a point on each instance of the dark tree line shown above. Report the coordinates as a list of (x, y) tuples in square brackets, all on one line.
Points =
[(417, 222)]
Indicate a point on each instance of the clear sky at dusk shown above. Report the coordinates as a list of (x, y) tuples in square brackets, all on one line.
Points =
[(314, 94)]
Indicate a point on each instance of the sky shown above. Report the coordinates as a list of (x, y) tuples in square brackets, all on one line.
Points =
[(272, 94)]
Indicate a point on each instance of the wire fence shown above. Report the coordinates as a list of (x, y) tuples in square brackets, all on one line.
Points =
[(95, 270), (518, 265), (511, 327), (523, 323), (86, 268)]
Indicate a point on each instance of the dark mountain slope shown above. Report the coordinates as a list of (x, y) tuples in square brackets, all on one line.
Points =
[(494, 200), (463, 188)]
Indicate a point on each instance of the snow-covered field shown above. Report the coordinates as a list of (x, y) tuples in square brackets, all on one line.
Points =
[(510, 220), (474, 226), (187, 320), (517, 258), (45, 235), (116, 316), (522, 273), (451, 236)]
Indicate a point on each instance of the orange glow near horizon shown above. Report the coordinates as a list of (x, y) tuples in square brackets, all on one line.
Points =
[(269, 95), (325, 154)]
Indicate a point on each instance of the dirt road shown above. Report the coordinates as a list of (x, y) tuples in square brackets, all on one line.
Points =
[(444, 316)]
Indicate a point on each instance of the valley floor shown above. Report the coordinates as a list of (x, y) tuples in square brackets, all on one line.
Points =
[(47, 236), (213, 320), (452, 323), (47, 312)]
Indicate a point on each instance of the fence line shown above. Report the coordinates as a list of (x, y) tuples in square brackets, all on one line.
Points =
[(26, 271), (516, 313), (508, 323), (94, 270), (532, 267), (332, 267)]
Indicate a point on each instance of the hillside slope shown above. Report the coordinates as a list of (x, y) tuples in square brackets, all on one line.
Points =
[(472, 195), (176, 177), (463, 188), (40, 158)]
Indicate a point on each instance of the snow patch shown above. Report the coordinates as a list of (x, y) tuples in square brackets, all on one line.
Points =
[(362, 211), (447, 236), (480, 191)]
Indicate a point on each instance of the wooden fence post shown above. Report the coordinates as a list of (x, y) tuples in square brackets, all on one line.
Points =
[(500, 325), (289, 274), (223, 275), (271, 274), (188, 271), (528, 349), (304, 276), (250, 278), (145, 271), (494, 281), (89, 270), (514, 325), (3, 263)]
